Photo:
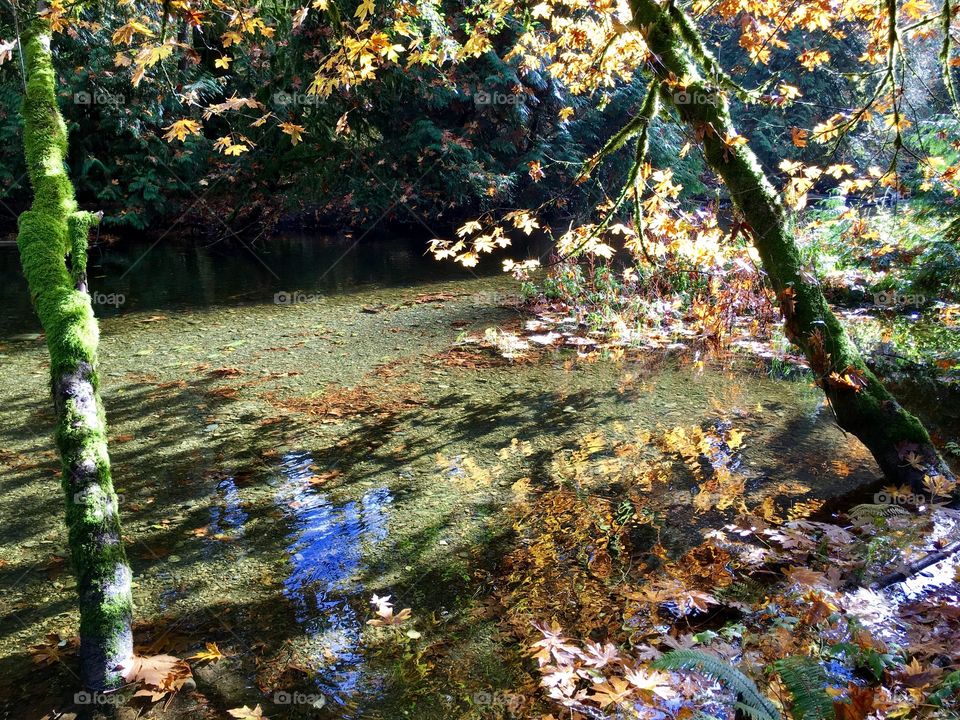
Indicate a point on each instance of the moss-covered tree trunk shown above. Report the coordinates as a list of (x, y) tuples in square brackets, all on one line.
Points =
[(52, 234), (863, 406)]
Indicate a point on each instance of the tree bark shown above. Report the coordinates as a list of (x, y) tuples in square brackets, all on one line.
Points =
[(897, 440), (50, 233)]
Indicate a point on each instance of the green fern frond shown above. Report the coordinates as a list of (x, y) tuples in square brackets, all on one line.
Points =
[(747, 591), (750, 700), (868, 512), (807, 682), (750, 711)]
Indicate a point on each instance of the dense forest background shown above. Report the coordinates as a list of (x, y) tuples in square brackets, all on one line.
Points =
[(448, 143)]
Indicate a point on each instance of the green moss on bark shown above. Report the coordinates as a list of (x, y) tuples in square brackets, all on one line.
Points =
[(50, 232)]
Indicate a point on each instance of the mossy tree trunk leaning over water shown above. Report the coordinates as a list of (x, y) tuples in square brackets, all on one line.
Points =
[(51, 234), (864, 407)]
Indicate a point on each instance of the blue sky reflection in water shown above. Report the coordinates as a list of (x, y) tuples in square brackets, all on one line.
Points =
[(226, 515), (326, 552)]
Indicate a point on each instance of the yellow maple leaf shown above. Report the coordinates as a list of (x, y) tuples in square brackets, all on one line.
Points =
[(124, 35), (181, 129), (293, 130), (211, 654), (231, 37), (366, 8)]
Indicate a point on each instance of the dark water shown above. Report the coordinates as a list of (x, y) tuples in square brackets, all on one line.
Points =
[(169, 275)]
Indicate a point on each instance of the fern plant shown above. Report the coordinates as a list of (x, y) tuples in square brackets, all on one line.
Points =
[(750, 700), (807, 682), (866, 513)]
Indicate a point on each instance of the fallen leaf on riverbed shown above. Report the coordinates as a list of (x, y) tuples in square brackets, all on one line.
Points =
[(226, 372), (159, 675), (211, 654), (424, 298), (385, 616), (322, 477), (246, 713), (53, 649)]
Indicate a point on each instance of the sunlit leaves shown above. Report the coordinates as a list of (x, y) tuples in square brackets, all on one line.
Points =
[(149, 56), (228, 146), (366, 7), (534, 170), (385, 613), (293, 130), (157, 675), (124, 35), (850, 379), (812, 59), (231, 103), (211, 653), (247, 713), (181, 130)]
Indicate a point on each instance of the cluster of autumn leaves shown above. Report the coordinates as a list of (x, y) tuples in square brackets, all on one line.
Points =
[(599, 592)]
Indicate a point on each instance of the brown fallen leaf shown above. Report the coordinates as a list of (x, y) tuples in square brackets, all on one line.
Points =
[(226, 372), (159, 675), (53, 649), (321, 478)]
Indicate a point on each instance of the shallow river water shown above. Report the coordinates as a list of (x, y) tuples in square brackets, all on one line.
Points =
[(280, 462)]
